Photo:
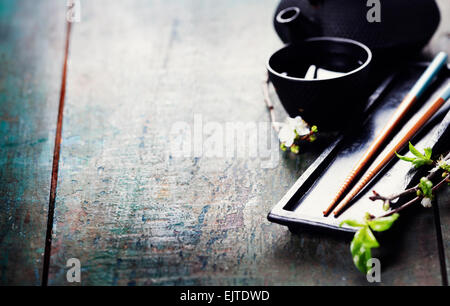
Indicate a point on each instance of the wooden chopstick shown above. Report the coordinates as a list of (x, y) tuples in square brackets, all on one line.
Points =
[(416, 91), (373, 170)]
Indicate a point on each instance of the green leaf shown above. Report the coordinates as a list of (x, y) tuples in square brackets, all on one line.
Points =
[(444, 165), (361, 258), (428, 152), (365, 237), (369, 239), (357, 250), (419, 159), (368, 256), (426, 186), (383, 224), (405, 158), (420, 162), (352, 223), (361, 246), (416, 152)]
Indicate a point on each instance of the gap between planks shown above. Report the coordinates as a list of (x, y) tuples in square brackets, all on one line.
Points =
[(55, 166), (440, 243)]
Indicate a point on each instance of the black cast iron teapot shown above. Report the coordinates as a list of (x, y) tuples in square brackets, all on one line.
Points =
[(401, 25)]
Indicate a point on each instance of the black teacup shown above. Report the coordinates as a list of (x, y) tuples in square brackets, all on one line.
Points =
[(322, 79)]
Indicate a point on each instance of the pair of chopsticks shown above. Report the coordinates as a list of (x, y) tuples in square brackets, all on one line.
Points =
[(413, 95)]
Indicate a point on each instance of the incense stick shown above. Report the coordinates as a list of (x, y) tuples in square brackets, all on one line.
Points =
[(416, 91), (373, 170)]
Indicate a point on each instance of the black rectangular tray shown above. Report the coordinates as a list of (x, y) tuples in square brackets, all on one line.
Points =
[(303, 204)]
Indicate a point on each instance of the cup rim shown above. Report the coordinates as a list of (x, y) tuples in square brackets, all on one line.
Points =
[(326, 38)]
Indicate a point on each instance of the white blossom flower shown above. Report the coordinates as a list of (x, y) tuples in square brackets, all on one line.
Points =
[(299, 125), (426, 202), (287, 135), (291, 130), (441, 163)]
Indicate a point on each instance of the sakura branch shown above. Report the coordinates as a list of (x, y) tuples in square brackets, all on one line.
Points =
[(293, 131), (424, 190), (364, 240)]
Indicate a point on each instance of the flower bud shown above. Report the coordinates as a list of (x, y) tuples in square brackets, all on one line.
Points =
[(386, 205), (426, 202)]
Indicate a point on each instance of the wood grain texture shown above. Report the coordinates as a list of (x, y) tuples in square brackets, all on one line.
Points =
[(441, 42), (443, 200), (31, 53), (133, 212)]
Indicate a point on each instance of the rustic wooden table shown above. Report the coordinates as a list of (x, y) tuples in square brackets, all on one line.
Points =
[(126, 204)]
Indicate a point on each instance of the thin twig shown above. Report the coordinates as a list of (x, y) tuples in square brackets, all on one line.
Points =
[(435, 188), (269, 104), (414, 189), (377, 196)]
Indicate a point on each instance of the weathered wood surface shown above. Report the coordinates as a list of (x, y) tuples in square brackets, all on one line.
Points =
[(441, 41), (444, 212), (128, 207), (31, 50), (134, 212)]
